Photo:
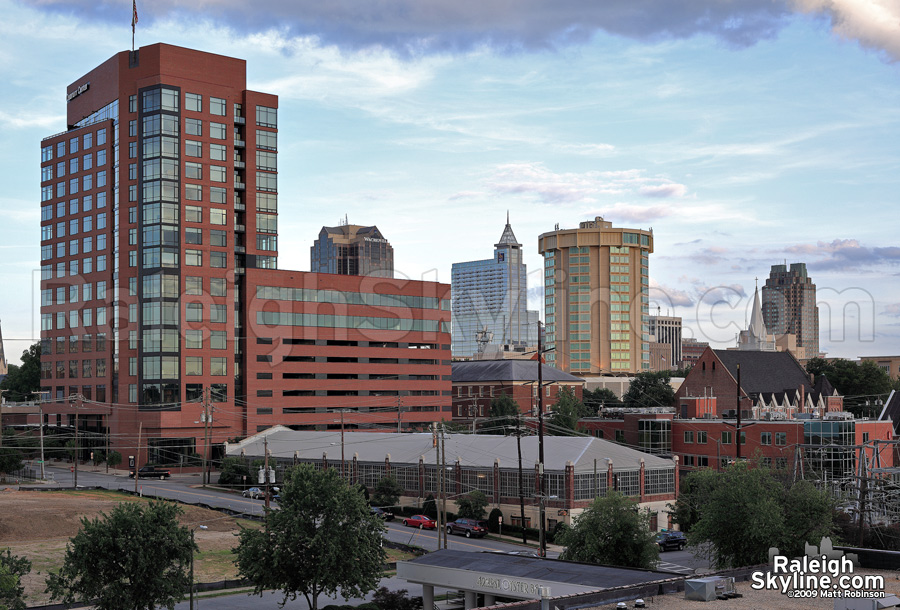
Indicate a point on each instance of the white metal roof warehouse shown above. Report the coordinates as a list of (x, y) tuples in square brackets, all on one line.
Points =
[(577, 469)]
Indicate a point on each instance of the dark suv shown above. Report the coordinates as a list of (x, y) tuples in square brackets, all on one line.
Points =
[(671, 541), (467, 528), (386, 515)]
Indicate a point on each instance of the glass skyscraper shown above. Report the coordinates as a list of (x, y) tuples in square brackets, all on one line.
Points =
[(492, 295)]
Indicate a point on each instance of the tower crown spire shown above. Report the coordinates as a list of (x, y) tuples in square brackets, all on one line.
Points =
[(508, 239)]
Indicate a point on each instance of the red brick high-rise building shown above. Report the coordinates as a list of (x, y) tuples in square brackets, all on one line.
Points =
[(159, 289)]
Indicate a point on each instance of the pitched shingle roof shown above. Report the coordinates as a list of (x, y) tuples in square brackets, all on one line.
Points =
[(474, 371), (765, 372)]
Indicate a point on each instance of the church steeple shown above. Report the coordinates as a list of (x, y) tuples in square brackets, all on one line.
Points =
[(757, 325), (756, 338)]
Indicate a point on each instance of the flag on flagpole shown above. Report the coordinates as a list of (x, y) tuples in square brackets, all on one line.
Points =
[(134, 15)]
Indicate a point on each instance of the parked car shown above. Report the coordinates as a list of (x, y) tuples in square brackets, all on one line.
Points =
[(671, 540), (467, 528), (151, 472), (384, 514), (420, 521), (253, 493)]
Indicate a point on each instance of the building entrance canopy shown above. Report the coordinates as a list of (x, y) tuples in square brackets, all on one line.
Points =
[(516, 576)]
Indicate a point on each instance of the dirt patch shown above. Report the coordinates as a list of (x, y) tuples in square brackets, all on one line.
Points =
[(38, 525)]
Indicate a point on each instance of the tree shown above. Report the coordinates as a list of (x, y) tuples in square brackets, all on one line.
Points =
[(386, 599), (303, 548), (809, 515), (114, 459), (387, 491), (504, 413), (650, 389), (472, 505), (12, 569), (744, 511), (10, 460), (429, 507), (25, 380), (135, 558), (611, 531), (594, 400), (566, 412), (233, 471), (695, 492), (861, 383)]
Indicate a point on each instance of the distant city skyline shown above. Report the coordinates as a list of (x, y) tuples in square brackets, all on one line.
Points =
[(758, 134)]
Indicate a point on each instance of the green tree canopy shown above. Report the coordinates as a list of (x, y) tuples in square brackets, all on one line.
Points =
[(10, 460), (12, 569), (594, 400), (304, 547), (857, 382), (650, 389), (234, 469), (738, 514), (387, 491), (504, 414), (25, 380), (114, 459), (472, 505), (567, 410), (611, 531), (135, 558)]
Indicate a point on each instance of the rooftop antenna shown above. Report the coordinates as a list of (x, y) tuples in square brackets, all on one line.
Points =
[(482, 338)]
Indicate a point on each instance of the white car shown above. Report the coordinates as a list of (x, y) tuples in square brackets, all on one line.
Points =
[(252, 493)]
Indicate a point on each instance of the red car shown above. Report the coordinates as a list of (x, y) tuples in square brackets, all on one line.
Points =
[(420, 521)]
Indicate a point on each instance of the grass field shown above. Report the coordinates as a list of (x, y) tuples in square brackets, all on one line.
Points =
[(37, 525)]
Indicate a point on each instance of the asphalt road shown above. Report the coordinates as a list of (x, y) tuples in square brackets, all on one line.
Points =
[(186, 488)]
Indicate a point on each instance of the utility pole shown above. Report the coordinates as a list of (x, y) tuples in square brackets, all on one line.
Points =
[(521, 495), (75, 470), (540, 381), (738, 430), (41, 410), (342, 445), (443, 494), (207, 397), (1, 416), (137, 457), (399, 414), (107, 441), (266, 468), (437, 461)]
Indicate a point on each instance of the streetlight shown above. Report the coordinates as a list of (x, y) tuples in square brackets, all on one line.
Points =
[(199, 527)]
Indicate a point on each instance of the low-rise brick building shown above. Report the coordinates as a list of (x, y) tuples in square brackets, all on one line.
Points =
[(477, 382)]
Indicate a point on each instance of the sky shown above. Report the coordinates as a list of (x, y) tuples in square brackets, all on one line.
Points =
[(745, 133)]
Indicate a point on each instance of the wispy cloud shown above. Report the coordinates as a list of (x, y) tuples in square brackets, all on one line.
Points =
[(414, 26), (535, 179), (845, 255), (892, 310)]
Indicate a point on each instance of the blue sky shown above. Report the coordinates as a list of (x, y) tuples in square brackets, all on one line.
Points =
[(745, 133)]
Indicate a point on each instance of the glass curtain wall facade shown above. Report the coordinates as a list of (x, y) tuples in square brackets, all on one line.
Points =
[(492, 295)]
